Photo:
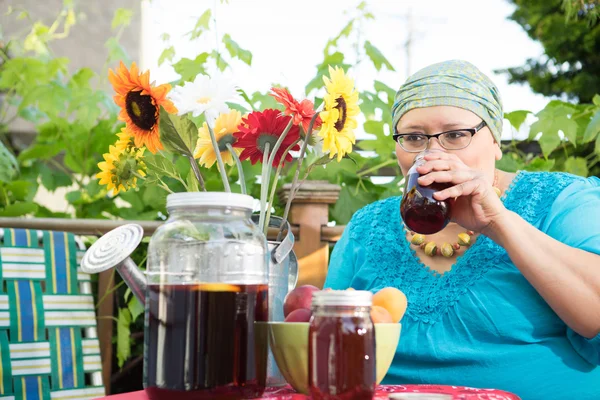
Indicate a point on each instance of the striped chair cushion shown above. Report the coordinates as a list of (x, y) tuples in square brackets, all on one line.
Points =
[(48, 340)]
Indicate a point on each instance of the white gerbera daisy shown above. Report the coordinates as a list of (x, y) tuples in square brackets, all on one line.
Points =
[(205, 95)]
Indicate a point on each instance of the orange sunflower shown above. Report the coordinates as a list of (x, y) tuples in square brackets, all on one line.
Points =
[(140, 103)]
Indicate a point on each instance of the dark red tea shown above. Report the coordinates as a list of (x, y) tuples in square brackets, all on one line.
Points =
[(343, 360), (420, 212), (200, 341)]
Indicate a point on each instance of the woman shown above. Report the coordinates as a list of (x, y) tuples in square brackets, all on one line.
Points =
[(518, 309)]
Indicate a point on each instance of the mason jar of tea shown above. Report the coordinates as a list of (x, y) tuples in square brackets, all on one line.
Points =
[(341, 348), (420, 211), (207, 285)]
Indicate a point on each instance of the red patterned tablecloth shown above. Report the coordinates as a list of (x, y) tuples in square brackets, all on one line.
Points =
[(287, 393)]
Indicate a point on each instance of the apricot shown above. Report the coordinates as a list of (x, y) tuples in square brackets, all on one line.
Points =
[(380, 315), (393, 300)]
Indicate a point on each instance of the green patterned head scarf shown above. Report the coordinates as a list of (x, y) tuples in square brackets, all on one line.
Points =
[(451, 83)]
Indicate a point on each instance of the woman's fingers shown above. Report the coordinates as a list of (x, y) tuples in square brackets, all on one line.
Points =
[(452, 176), (438, 165), (465, 188)]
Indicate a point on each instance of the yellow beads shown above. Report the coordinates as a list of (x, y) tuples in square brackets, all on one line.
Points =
[(431, 249), (447, 250), (417, 239), (464, 239)]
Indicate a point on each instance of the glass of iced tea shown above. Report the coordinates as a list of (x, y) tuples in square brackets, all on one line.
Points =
[(420, 211)]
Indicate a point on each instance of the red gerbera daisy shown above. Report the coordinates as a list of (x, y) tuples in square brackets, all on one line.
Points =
[(303, 111), (260, 128)]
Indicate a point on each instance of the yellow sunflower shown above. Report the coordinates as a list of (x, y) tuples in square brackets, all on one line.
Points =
[(140, 104), (225, 126), (119, 168), (126, 140), (339, 114)]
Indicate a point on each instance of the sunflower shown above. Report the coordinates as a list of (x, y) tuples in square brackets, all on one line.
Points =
[(262, 127), (140, 104), (126, 140), (302, 111), (225, 126), (119, 168), (339, 115)]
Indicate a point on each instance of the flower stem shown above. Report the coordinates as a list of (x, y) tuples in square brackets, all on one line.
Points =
[(266, 169), (196, 172), (267, 182), (274, 186), (296, 175), (239, 167), (376, 167), (222, 171)]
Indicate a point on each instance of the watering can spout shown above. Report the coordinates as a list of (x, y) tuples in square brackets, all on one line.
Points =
[(112, 251)]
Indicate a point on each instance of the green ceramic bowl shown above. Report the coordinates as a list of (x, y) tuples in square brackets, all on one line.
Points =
[(289, 343)]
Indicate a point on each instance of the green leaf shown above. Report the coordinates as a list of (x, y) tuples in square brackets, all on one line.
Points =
[(540, 164), (74, 197), (167, 54), (549, 125), (352, 198), (177, 133), (549, 142), (597, 148), (593, 128), (596, 100), (18, 209), (568, 127), (236, 51), (192, 182), (516, 118), (116, 52), (52, 179), (382, 87), (41, 151), (160, 165), (221, 63), (201, 25), (188, 69), (577, 166), (122, 18), (510, 162), (165, 36), (9, 168), (19, 189), (376, 57), (81, 79), (123, 336), (135, 308)]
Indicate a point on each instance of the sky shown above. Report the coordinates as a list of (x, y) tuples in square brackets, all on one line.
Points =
[(287, 40)]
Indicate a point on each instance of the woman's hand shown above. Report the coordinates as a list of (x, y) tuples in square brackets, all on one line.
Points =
[(477, 205)]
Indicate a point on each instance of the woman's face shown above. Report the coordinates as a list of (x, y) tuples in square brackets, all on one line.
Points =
[(481, 154)]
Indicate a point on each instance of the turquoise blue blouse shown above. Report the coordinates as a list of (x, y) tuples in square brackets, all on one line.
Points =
[(481, 324)]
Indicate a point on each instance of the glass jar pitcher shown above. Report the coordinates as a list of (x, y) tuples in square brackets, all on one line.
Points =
[(207, 284)]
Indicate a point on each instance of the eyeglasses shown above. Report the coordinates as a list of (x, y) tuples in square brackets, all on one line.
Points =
[(450, 140)]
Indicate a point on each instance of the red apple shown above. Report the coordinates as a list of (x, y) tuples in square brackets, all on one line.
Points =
[(299, 315), (300, 297)]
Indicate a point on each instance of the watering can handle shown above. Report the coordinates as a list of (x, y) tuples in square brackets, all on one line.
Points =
[(286, 245)]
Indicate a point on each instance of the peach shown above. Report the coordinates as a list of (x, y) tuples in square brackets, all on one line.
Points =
[(299, 315), (392, 300), (380, 315), (300, 297)]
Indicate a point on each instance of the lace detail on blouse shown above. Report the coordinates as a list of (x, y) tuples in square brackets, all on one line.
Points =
[(379, 229)]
